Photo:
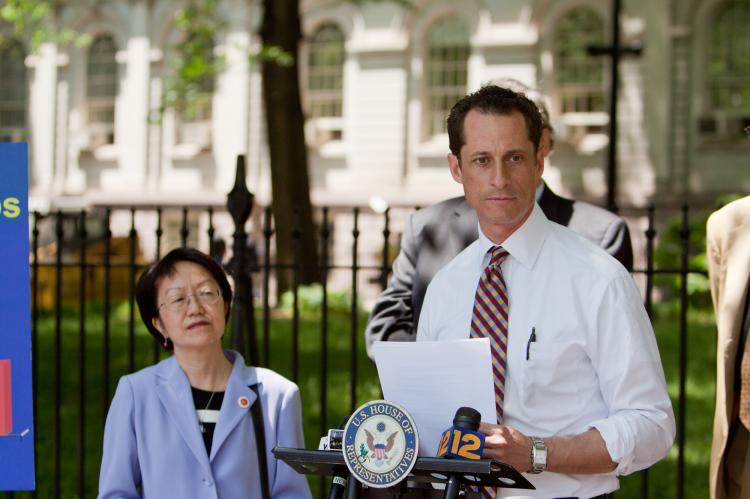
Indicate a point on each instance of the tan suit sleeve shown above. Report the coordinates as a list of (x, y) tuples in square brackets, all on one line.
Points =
[(713, 254)]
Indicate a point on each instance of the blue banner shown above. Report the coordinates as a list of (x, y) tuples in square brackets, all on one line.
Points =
[(16, 406)]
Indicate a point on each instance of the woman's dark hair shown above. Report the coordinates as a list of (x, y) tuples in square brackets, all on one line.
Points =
[(146, 289)]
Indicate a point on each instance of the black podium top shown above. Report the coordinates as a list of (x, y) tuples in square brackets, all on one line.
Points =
[(482, 472)]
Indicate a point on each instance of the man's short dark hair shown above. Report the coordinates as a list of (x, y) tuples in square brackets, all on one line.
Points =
[(492, 99), (146, 289)]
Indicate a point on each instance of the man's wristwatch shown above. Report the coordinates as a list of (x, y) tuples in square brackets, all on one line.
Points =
[(538, 455)]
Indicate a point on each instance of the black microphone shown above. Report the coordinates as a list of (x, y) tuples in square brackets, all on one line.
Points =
[(462, 441), (341, 476)]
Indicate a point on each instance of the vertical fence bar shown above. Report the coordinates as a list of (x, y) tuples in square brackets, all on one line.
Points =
[(159, 232), (325, 234), (323, 418), (240, 205), (648, 304), (650, 236), (82, 237), (57, 355), (210, 232), (107, 284), (131, 292), (685, 239), (184, 229), (354, 326), (296, 238), (267, 234), (35, 332)]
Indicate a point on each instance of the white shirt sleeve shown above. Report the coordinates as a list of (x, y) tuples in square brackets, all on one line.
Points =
[(640, 427), (424, 331)]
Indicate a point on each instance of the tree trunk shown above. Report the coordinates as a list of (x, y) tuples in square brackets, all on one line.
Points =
[(290, 184)]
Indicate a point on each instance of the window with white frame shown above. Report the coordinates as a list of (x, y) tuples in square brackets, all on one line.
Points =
[(101, 90), (446, 70), (13, 95), (729, 57), (325, 72), (579, 76)]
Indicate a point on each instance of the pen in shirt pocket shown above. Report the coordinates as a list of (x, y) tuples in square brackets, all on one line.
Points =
[(532, 339)]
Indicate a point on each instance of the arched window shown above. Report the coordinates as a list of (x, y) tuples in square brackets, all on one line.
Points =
[(580, 77), (101, 89), (446, 70), (325, 72), (13, 95), (729, 57)]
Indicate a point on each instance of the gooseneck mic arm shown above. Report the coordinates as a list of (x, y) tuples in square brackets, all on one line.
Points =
[(466, 418)]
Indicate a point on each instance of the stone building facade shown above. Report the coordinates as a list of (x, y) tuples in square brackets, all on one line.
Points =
[(377, 80)]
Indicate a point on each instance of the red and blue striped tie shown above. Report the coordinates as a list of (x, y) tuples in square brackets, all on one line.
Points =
[(490, 320)]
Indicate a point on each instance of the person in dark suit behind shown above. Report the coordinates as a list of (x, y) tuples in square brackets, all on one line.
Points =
[(434, 235)]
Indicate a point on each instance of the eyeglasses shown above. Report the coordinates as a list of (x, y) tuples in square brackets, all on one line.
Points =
[(178, 303)]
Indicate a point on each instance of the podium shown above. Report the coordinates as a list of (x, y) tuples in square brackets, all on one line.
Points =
[(426, 471)]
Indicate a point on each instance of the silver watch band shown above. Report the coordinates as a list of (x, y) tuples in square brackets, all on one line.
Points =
[(538, 455)]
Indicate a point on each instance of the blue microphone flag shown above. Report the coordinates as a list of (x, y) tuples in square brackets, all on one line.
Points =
[(458, 442)]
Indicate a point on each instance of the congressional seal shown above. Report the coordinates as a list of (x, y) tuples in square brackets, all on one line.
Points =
[(380, 444)]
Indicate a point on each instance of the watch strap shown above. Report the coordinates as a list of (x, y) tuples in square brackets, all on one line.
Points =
[(538, 455)]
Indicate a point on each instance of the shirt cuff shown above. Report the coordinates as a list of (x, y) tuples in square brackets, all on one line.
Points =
[(620, 445)]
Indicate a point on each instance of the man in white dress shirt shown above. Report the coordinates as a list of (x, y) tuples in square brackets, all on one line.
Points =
[(585, 398)]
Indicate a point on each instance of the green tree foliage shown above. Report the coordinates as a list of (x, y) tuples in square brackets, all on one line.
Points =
[(193, 64), (32, 21)]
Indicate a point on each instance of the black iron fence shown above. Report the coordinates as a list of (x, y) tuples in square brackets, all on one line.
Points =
[(85, 331)]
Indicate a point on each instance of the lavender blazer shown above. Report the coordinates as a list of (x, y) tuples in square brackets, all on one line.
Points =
[(153, 446)]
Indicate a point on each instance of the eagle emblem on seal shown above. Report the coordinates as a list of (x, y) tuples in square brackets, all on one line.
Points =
[(379, 450)]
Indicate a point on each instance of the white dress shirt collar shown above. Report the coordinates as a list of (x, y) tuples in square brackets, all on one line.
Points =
[(524, 244)]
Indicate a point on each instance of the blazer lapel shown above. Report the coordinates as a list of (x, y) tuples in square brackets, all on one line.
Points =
[(238, 399), (174, 393)]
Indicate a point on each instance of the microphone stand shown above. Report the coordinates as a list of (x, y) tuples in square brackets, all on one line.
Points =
[(354, 489), (469, 418), (452, 487)]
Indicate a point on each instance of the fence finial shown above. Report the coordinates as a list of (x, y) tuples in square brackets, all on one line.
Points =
[(240, 204)]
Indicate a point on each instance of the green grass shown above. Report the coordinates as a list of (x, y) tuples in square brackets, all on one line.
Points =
[(662, 477)]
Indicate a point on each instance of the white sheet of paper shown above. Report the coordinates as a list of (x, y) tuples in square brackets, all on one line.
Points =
[(431, 379)]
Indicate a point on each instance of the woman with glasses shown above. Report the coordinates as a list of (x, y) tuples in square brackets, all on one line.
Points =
[(200, 424)]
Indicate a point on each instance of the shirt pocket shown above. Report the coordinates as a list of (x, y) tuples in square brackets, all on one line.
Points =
[(553, 376)]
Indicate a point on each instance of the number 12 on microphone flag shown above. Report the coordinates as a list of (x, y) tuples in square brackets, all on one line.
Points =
[(16, 408), (461, 443)]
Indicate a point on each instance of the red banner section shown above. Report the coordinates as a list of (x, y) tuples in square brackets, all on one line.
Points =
[(6, 407)]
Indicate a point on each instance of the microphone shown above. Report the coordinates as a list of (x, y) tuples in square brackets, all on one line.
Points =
[(462, 441), (341, 475)]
